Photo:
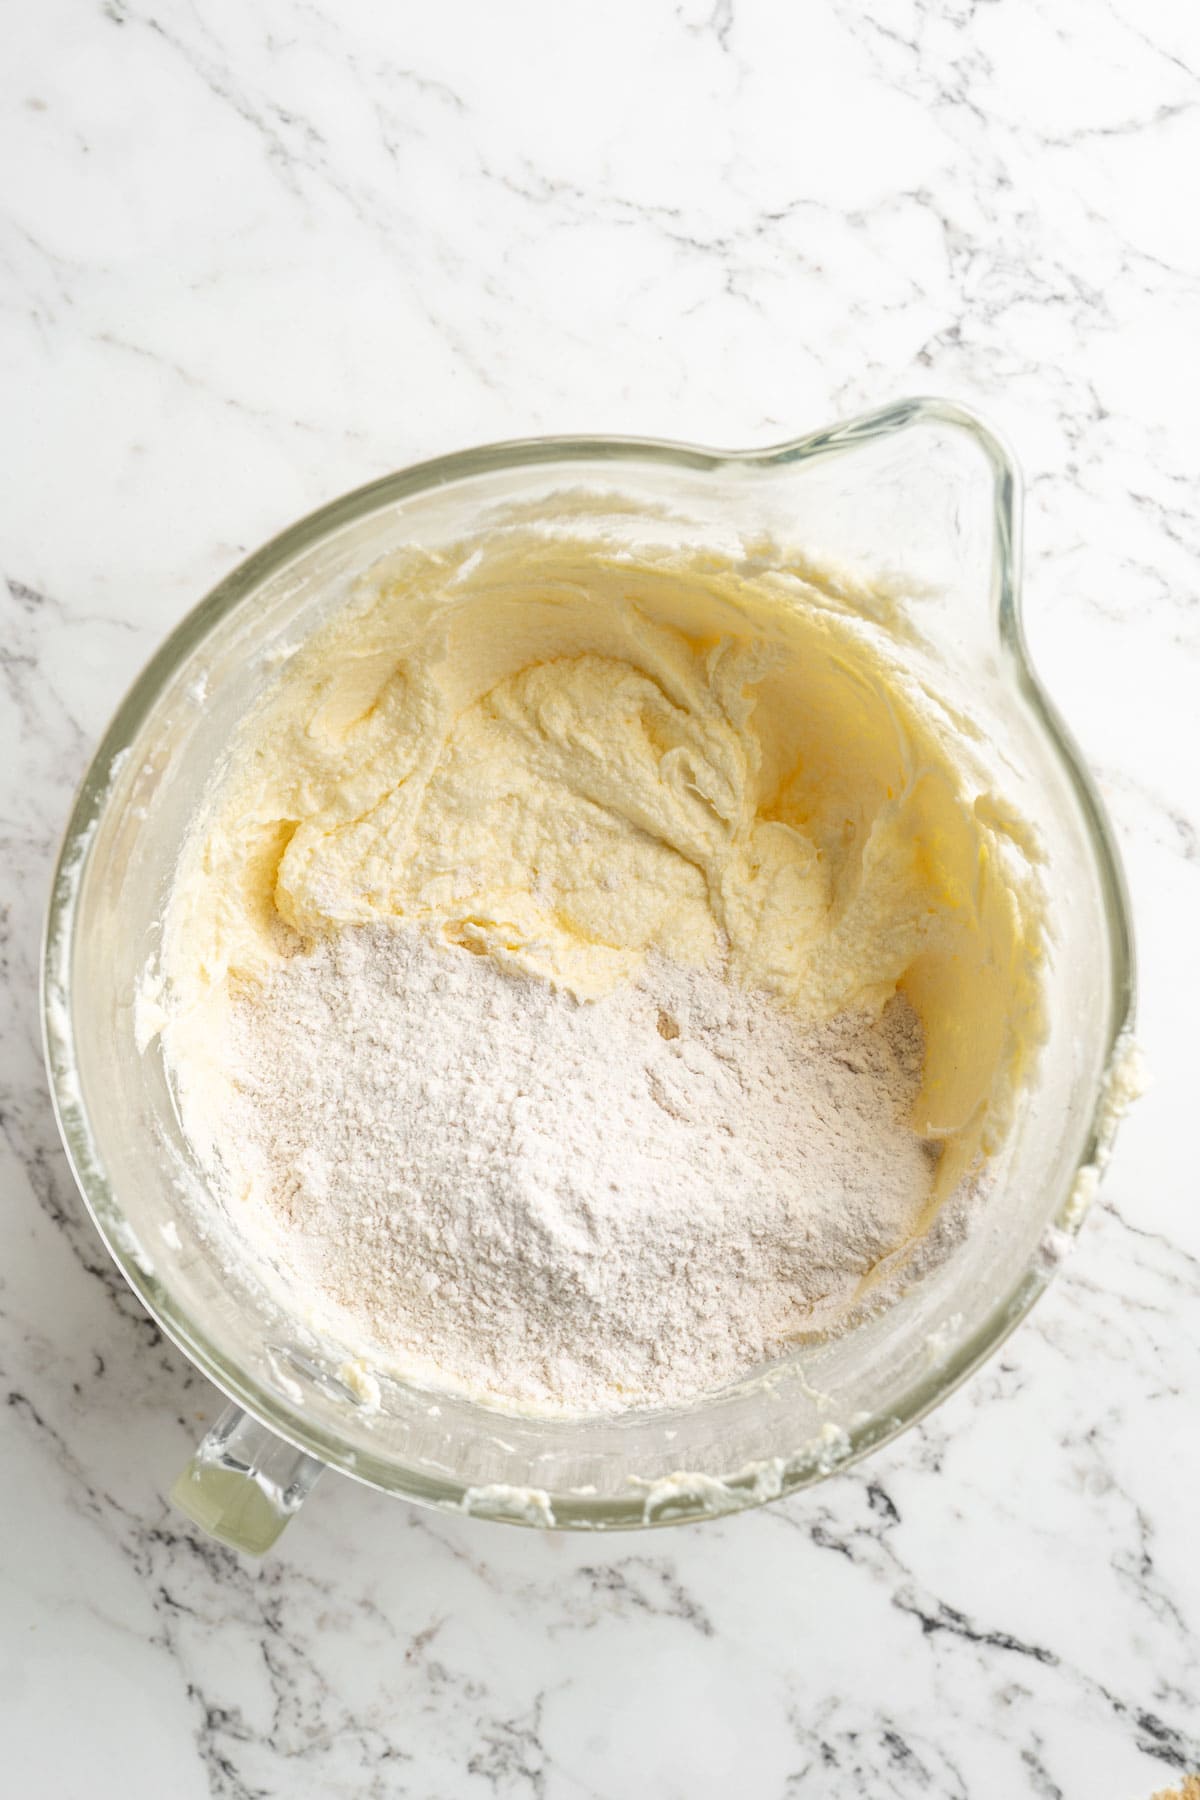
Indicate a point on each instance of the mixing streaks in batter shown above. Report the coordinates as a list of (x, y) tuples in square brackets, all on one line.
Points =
[(595, 971)]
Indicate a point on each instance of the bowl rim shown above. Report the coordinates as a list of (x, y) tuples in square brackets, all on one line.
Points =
[(758, 1482)]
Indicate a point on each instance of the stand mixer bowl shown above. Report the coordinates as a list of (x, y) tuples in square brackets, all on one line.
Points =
[(923, 489)]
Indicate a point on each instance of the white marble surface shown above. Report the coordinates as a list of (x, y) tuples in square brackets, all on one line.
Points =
[(255, 254)]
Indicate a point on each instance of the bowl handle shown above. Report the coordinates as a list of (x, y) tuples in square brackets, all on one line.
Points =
[(244, 1483)]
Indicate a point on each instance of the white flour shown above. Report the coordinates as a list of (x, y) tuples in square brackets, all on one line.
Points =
[(556, 1206)]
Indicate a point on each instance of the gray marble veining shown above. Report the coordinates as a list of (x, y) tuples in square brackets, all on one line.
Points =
[(251, 256)]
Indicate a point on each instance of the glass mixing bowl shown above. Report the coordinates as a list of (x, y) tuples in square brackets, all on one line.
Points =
[(924, 488)]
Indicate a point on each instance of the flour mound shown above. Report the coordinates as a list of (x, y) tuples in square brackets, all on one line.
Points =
[(486, 1186)]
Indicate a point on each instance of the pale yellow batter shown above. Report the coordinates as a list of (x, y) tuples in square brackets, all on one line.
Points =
[(561, 755)]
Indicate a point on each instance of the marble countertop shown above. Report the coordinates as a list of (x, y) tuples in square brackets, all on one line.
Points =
[(255, 255)]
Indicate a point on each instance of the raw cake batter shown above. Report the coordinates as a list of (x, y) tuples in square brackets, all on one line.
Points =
[(580, 764)]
